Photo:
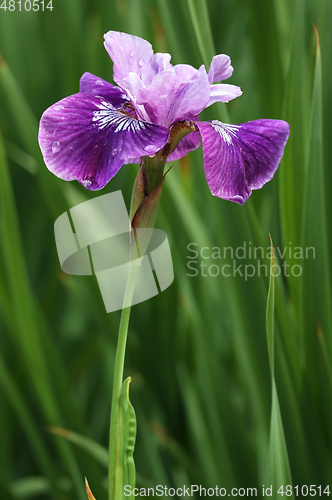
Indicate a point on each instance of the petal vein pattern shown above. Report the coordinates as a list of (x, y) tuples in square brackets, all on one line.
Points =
[(226, 131), (239, 158), (108, 116), (85, 138)]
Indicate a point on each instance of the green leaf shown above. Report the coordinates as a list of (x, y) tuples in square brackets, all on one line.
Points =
[(270, 315), (292, 170), (21, 158), (326, 356), (201, 24), (27, 423), (124, 473), (33, 487), (199, 15), (98, 452), (279, 470), (267, 55), (315, 279)]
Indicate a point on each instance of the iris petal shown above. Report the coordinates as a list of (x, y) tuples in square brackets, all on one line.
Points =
[(91, 84), (220, 68), (85, 138), (239, 158), (191, 99), (129, 53), (223, 92)]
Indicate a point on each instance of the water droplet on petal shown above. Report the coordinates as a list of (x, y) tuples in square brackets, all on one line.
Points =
[(141, 62), (131, 54), (163, 96), (59, 107), (86, 183), (99, 82), (114, 153), (56, 147)]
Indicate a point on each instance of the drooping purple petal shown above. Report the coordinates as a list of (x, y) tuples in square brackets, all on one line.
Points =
[(223, 92), (220, 68), (91, 84), (129, 53), (188, 143), (239, 158), (85, 138)]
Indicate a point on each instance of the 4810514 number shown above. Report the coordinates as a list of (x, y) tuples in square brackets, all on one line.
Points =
[(304, 491), (26, 5)]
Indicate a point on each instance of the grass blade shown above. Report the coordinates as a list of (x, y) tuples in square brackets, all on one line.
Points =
[(98, 452), (270, 315), (316, 296), (296, 112), (279, 470), (27, 423)]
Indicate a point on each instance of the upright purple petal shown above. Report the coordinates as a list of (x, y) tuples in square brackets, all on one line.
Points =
[(85, 138), (223, 92), (220, 68), (184, 72), (159, 62), (157, 98), (129, 53), (91, 84), (191, 99), (239, 158)]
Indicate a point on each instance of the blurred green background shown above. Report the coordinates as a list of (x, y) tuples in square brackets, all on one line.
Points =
[(197, 354)]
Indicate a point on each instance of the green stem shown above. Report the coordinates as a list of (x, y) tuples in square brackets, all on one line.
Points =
[(117, 385), (143, 190), (118, 380)]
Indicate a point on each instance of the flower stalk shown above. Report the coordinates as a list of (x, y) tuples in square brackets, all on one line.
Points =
[(143, 212), (114, 444)]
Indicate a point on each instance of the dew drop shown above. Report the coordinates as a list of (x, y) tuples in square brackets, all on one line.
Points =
[(114, 153), (86, 183), (59, 107), (99, 82), (163, 96), (56, 147), (141, 62), (131, 54)]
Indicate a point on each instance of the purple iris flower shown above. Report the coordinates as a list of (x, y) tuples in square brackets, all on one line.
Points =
[(88, 136)]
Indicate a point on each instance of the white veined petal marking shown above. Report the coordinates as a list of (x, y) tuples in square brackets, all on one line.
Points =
[(225, 131), (107, 115)]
